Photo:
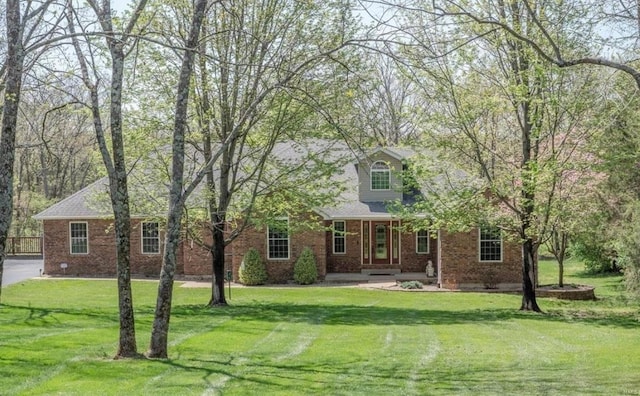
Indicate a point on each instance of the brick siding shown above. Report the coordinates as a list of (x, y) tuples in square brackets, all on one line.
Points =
[(417, 262), (101, 259), (350, 260), (280, 271), (461, 266)]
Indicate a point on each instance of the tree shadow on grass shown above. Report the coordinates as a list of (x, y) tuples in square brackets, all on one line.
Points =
[(209, 367), (39, 316), (354, 315), (362, 377), (290, 378)]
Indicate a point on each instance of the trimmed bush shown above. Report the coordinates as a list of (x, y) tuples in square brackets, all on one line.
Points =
[(305, 271), (252, 270), (411, 285)]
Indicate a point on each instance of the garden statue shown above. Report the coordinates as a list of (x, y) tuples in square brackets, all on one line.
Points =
[(430, 271)]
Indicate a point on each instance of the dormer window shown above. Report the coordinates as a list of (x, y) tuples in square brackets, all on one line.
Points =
[(380, 176)]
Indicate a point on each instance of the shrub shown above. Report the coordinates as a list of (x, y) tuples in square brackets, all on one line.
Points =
[(598, 257), (252, 270), (305, 271), (411, 285), (628, 252)]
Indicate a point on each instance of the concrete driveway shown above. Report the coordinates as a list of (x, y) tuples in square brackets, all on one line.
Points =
[(19, 269)]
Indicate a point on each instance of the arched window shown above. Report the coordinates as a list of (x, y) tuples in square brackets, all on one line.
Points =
[(380, 176)]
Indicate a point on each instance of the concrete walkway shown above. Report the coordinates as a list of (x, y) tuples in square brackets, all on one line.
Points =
[(380, 282), (17, 270)]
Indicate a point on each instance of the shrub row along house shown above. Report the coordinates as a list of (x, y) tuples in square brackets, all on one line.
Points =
[(358, 233)]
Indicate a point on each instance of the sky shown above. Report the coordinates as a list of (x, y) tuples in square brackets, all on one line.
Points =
[(119, 5)]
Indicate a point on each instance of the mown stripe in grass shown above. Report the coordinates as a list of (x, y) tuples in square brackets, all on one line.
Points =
[(365, 342)]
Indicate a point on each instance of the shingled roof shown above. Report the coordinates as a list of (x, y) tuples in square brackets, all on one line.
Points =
[(80, 205), (77, 205)]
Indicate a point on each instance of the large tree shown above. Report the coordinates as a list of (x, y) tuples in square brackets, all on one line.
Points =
[(265, 72), (256, 80), (612, 28), (55, 156), (177, 195), (503, 116), (12, 84), (607, 34), (114, 158), (612, 241), (385, 102), (29, 26)]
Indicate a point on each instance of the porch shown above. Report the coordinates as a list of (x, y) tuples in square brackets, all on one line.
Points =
[(378, 277), (24, 247)]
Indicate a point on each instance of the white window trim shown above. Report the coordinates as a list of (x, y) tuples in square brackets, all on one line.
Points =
[(343, 236), (387, 171), (86, 224), (428, 243), (142, 238), (288, 242), (365, 242), (480, 252)]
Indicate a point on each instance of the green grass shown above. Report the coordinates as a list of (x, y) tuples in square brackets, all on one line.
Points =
[(58, 337), (607, 285)]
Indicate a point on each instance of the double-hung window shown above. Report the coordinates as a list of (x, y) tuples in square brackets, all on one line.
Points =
[(339, 237), (278, 239), (380, 176), (490, 244), (78, 238), (422, 242), (150, 238)]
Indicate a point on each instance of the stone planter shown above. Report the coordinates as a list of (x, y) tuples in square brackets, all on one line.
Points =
[(579, 292)]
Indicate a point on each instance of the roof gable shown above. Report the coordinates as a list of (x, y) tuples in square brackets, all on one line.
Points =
[(398, 153), (77, 205)]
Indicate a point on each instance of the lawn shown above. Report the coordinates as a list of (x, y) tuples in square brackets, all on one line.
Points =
[(58, 336)]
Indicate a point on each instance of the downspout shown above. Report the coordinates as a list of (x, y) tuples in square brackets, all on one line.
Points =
[(400, 245), (439, 259)]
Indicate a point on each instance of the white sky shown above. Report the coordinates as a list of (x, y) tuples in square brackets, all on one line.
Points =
[(119, 5)]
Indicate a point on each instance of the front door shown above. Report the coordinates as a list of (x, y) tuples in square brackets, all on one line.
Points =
[(380, 242)]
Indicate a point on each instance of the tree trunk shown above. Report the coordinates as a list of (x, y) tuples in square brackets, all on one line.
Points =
[(521, 69), (120, 201), (559, 241), (45, 175), (527, 193), (160, 331), (218, 220), (529, 302), (217, 258), (12, 89), (116, 167), (127, 346)]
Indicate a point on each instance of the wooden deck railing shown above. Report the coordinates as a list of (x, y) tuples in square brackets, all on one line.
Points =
[(24, 246)]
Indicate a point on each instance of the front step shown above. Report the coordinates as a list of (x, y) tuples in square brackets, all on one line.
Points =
[(381, 271)]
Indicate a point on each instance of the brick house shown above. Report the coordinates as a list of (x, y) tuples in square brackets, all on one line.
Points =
[(358, 235)]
